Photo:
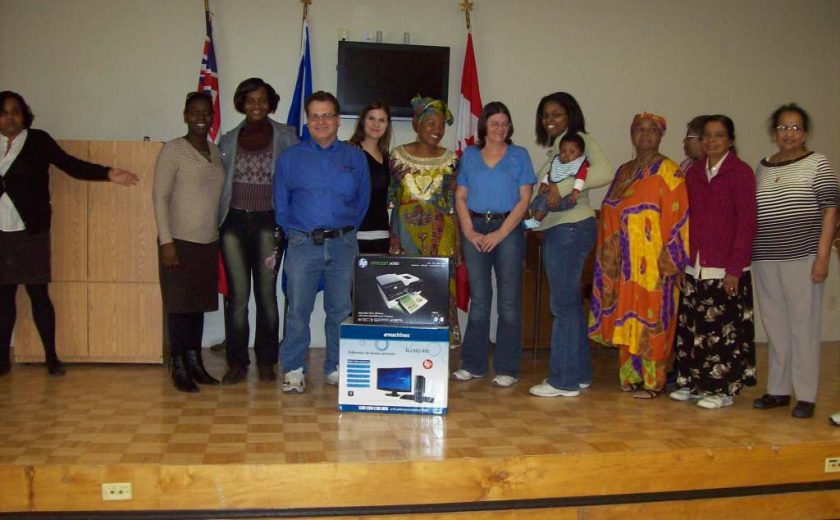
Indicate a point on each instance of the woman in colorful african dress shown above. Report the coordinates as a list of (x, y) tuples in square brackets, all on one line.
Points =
[(715, 346), (422, 191), (642, 246)]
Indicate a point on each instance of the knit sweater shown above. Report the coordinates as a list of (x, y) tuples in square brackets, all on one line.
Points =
[(186, 193)]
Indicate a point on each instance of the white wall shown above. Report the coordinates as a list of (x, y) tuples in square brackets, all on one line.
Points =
[(119, 69)]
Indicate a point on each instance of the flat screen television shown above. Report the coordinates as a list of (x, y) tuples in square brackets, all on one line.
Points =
[(393, 380), (393, 73)]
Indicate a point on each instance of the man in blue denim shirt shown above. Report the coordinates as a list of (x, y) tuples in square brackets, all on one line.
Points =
[(321, 195)]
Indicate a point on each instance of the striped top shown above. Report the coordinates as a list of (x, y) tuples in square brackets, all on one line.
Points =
[(790, 197)]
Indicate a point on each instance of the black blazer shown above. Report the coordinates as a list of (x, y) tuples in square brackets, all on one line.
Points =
[(28, 180)]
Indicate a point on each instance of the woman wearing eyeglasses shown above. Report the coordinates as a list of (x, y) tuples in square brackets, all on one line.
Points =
[(797, 197), (494, 186), (692, 146)]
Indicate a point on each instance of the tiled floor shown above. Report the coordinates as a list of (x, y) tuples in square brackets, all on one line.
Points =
[(103, 414)]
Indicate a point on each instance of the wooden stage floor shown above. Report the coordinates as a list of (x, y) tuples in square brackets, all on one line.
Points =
[(249, 451)]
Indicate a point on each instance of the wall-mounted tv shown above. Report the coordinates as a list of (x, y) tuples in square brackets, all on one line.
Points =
[(391, 72)]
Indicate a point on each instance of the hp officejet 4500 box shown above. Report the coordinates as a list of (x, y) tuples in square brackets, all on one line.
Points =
[(393, 369), (401, 290)]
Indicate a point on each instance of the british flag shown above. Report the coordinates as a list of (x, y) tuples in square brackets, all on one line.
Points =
[(208, 78)]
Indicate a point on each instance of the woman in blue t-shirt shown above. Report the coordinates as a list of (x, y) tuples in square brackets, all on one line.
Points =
[(495, 182)]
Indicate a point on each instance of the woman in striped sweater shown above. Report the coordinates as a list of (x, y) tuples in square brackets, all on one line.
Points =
[(797, 197)]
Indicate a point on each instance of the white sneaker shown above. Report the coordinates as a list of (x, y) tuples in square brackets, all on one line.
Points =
[(465, 375), (712, 402), (546, 390), (332, 378), (834, 419), (584, 386), (683, 394), (531, 223), (504, 381), (293, 381)]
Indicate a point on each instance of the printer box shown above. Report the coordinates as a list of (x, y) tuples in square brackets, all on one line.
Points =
[(401, 290), (393, 369)]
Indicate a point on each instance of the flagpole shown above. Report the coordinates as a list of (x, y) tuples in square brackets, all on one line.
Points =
[(206, 6), (305, 7), (466, 7)]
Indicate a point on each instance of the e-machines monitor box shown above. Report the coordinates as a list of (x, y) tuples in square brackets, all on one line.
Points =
[(401, 290), (391, 369)]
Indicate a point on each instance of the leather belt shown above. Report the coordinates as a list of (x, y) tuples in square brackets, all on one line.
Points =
[(331, 233), (488, 215)]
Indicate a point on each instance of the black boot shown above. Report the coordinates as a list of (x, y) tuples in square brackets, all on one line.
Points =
[(5, 360), (54, 366), (195, 367), (180, 375)]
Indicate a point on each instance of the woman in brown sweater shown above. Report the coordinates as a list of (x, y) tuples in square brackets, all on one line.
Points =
[(188, 184)]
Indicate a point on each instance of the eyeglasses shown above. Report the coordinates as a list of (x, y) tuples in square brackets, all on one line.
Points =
[(692, 136), (793, 128), (320, 117)]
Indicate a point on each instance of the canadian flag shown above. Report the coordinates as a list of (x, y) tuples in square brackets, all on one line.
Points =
[(469, 103), (466, 130)]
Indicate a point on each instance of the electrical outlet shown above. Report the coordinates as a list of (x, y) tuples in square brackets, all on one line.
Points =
[(832, 465), (116, 491)]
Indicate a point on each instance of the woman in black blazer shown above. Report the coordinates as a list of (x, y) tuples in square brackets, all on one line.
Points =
[(25, 158)]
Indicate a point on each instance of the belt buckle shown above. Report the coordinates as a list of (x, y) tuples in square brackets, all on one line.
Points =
[(488, 216)]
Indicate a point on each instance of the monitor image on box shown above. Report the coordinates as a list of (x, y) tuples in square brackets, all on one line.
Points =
[(394, 380), (393, 73)]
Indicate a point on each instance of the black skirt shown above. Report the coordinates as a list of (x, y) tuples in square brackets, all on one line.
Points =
[(715, 342), (24, 258), (193, 287)]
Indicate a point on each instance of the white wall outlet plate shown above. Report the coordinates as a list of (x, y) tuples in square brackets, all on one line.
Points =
[(116, 491)]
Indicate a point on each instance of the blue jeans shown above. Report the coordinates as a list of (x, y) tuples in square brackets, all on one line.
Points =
[(506, 260), (305, 264), (565, 248), (247, 241)]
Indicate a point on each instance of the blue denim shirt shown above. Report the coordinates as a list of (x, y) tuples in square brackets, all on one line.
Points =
[(317, 187)]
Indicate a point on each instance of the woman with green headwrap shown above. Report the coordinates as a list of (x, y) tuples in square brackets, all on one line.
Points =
[(422, 191)]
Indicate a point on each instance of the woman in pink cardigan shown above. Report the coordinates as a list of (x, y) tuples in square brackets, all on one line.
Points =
[(715, 346)]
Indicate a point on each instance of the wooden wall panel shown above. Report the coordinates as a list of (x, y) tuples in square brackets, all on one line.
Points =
[(801, 506), (14, 492), (238, 486), (71, 324), (529, 297), (69, 198), (126, 322), (122, 233)]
